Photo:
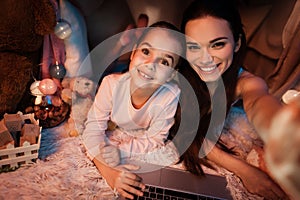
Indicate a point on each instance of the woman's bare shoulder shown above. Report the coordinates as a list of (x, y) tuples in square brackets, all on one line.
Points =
[(250, 82)]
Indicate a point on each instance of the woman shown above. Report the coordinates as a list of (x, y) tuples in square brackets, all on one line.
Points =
[(215, 48)]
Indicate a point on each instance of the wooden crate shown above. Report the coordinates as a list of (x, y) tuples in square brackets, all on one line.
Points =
[(13, 157)]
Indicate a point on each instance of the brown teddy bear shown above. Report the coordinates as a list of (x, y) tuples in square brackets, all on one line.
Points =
[(23, 25)]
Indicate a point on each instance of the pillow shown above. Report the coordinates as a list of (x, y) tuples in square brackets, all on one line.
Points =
[(76, 45)]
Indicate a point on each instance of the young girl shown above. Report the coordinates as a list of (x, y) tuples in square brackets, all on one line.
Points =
[(141, 103), (216, 43)]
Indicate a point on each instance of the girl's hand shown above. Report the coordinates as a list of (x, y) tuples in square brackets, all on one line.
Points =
[(258, 182), (110, 155), (123, 181)]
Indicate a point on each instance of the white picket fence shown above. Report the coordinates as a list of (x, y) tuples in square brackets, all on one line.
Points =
[(15, 156)]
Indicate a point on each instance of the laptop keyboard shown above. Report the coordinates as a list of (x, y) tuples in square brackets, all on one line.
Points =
[(159, 193)]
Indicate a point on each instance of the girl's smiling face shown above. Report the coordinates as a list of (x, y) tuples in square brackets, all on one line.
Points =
[(153, 61), (210, 47)]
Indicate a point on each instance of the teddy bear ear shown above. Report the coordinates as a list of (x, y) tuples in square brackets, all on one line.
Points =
[(45, 17)]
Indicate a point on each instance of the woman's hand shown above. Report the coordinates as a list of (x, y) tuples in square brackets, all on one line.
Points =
[(282, 150), (258, 182), (121, 179)]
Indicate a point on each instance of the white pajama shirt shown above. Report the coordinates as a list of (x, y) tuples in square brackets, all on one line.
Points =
[(140, 133)]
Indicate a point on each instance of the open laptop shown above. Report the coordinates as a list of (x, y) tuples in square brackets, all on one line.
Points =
[(171, 183)]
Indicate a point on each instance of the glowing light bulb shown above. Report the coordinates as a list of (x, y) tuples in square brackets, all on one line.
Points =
[(47, 86)]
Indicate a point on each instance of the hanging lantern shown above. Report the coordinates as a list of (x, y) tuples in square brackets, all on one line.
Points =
[(47, 86), (57, 70), (62, 29)]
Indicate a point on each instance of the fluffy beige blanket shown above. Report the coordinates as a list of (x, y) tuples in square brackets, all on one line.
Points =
[(64, 171), (65, 174)]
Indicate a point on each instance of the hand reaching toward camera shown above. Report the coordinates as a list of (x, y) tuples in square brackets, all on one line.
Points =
[(282, 150)]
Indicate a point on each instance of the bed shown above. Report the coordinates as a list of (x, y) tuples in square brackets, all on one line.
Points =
[(64, 171)]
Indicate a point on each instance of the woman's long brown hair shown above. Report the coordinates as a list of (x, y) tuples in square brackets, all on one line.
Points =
[(226, 10)]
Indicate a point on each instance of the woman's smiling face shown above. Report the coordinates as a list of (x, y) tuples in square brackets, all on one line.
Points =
[(153, 61), (210, 47)]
